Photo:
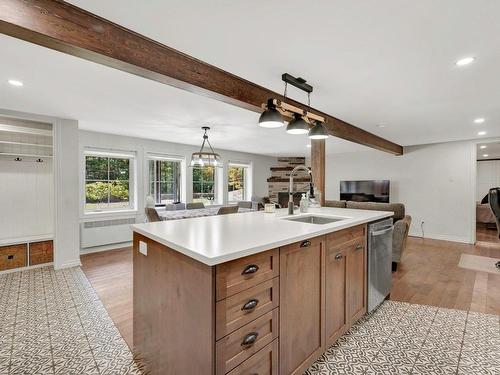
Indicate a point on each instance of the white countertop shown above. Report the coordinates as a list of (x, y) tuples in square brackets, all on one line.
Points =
[(217, 239)]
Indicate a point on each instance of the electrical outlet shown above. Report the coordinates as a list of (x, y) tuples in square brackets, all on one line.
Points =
[(143, 248)]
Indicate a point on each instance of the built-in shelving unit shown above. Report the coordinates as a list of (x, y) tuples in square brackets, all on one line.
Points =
[(26, 194), (25, 142)]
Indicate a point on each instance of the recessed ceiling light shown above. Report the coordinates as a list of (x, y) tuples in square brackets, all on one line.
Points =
[(15, 82), (481, 133), (308, 146), (380, 126), (465, 61), (479, 120), (485, 155), (483, 147)]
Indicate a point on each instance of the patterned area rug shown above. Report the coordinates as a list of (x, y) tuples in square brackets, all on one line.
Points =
[(403, 338), (52, 322)]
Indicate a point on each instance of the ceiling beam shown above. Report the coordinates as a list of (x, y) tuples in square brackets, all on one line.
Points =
[(64, 27)]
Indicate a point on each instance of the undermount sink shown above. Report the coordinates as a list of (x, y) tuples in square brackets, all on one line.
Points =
[(311, 219)]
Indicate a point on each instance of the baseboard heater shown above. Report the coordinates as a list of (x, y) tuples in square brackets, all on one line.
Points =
[(105, 232)]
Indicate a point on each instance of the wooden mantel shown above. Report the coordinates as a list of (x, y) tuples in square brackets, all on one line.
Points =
[(64, 27)]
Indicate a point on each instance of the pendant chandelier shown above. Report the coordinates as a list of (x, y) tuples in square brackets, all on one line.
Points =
[(303, 122), (205, 158)]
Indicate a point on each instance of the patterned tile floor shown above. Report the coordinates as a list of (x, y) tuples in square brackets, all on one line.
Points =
[(403, 338), (52, 322)]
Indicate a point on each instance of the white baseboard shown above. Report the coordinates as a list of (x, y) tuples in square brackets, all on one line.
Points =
[(98, 249), (72, 263), (444, 237)]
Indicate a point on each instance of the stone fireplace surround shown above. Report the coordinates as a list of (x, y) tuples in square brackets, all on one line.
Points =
[(278, 183)]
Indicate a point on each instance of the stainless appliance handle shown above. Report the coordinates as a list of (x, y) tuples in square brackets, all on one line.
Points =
[(381, 232)]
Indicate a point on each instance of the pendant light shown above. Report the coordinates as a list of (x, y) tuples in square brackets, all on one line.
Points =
[(271, 118), (318, 131), (297, 125), (205, 158)]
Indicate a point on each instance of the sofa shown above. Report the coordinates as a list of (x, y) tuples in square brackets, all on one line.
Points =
[(400, 220)]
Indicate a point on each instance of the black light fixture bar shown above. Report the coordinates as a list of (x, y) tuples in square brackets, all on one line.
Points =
[(299, 82)]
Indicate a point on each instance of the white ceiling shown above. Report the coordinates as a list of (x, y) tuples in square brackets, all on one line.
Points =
[(492, 150), (370, 63), (106, 100)]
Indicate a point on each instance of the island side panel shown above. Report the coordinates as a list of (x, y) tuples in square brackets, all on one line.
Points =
[(174, 311)]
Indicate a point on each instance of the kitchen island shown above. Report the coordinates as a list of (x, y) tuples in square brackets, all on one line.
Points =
[(249, 293)]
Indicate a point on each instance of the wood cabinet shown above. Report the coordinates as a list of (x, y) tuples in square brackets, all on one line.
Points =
[(302, 301), (336, 321), (41, 252), (356, 281), (12, 256), (268, 313)]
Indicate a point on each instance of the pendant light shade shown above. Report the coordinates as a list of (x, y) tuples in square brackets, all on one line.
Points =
[(297, 125), (204, 158), (271, 118), (318, 131)]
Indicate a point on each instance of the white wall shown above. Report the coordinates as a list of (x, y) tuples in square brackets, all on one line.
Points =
[(435, 182), (488, 176), (27, 200), (260, 165)]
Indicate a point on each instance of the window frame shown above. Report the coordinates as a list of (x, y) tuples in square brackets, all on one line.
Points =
[(182, 173), (247, 180), (216, 183), (132, 181)]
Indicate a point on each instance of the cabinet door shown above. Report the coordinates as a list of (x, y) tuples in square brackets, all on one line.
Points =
[(356, 280), (302, 298), (336, 322)]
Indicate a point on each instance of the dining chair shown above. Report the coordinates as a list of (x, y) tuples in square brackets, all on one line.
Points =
[(152, 214), (245, 204), (194, 205), (227, 210)]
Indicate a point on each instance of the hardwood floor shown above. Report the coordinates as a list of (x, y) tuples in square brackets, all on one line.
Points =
[(487, 235), (110, 273), (428, 274)]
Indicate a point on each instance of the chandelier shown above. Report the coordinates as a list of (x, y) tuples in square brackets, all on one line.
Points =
[(205, 158), (303, 122)]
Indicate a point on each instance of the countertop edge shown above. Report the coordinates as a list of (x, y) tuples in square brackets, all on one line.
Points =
[(213, 261)]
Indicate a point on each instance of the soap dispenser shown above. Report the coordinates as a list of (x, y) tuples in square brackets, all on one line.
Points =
[(304, 203)]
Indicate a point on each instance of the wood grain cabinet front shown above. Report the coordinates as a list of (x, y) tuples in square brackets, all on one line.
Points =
[(240, 309), (13, 256), (302, 301), (41, 252), (356, 282), (264, 362), (240, 274), (240, 345)]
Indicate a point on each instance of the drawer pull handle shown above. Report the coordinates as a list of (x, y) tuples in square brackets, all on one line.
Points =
[(338, 256), (252, 268), (359, 247), (250, 305), (10, 257), (305, 243), (250, 339)]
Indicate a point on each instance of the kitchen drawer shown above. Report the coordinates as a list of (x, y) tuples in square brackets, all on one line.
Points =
[(13, 256), (240, 274), (311, 242), (241, 308), (240, 345), (41, 252), (337, 239), (264, 362)]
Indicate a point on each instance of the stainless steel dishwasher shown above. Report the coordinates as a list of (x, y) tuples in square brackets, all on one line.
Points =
[(379, 262)]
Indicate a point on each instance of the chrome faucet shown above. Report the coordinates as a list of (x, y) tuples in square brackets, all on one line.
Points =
[(290, 191)]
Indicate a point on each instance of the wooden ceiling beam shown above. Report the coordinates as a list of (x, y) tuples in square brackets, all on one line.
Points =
[(64, 27)]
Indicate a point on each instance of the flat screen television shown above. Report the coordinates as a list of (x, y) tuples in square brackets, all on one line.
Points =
[(365, 191)]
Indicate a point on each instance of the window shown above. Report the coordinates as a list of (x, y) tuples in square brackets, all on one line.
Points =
[(108, 182), (238, 182), (204, 185), (165, 180)]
